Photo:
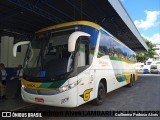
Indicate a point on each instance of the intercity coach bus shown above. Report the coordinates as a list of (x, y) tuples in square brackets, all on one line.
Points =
[(69, 64)]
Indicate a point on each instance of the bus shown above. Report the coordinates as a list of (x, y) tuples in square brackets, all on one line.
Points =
[(69, 64)]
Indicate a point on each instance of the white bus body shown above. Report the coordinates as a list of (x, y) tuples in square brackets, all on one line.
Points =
[(73, 63)]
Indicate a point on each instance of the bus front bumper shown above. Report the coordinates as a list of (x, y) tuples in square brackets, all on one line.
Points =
[(64, 99)]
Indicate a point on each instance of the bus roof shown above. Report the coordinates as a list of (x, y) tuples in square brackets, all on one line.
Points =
[(91, 24)]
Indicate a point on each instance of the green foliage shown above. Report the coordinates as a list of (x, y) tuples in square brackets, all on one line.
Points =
[(142, 56)]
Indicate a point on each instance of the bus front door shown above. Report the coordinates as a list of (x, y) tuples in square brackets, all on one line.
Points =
[(91, 84)]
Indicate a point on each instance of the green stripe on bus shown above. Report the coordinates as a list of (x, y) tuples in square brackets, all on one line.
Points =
[(54, 84), (45, 85), (120, 59), (57, 84), (121, 78), (115, 58)]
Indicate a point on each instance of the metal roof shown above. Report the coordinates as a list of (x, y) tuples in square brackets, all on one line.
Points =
[(21, 18)]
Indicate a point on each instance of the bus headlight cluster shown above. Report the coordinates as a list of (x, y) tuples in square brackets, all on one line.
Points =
[(23, 86), (68, 87)]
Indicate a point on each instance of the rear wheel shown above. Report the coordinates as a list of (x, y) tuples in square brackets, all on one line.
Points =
[(101, 95), (132, 81)]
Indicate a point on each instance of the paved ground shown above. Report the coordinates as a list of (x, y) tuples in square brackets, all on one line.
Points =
[(11, 103), (144, 96)]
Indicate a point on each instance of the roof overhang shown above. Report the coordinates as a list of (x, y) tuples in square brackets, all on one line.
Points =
[(28, 16), (136, 42)]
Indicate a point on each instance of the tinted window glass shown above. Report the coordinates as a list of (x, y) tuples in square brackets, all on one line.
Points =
[(109, 46)]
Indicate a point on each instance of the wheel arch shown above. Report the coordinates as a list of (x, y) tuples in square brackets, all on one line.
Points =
[(104, 81)]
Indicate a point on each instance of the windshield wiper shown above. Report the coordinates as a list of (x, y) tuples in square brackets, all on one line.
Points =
[(43, 48)]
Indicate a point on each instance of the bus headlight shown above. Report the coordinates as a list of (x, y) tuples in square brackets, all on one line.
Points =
[(23, 86), (62, 89), (68, 87)]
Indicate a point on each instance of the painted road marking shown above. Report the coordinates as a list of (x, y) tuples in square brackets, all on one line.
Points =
[(22, 107)]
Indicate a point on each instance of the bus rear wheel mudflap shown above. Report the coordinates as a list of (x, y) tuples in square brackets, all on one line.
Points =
[(101, 95)]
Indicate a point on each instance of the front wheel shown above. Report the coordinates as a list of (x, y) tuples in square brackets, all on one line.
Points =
[(101, 95)]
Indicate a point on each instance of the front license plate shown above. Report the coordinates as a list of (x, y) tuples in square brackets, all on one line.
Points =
[(39, 100)]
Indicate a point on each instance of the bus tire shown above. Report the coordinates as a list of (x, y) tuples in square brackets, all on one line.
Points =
[(101, 95), (131, 81)]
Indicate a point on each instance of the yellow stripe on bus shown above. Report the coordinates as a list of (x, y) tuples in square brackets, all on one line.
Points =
[(87, 23), (34, 85)]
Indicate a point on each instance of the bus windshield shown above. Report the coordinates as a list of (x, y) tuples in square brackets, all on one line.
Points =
[(48, 56)]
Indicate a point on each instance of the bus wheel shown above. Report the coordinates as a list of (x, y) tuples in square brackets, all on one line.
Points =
[(101, 95), (131, 81)]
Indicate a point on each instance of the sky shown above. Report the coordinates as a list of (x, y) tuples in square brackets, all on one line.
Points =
[(146, 16)]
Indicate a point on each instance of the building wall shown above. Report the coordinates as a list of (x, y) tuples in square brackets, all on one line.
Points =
[(6, 53), (156, 58)]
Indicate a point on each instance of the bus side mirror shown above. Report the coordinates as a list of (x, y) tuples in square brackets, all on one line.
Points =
[(73, 38), (18, 44)]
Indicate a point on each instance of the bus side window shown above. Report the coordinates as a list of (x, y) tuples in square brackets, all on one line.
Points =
[(83, 54)]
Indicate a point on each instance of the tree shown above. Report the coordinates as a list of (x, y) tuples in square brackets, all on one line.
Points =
[(142, 56)]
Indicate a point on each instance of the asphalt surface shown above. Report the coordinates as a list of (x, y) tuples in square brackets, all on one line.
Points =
[(144, 96)]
